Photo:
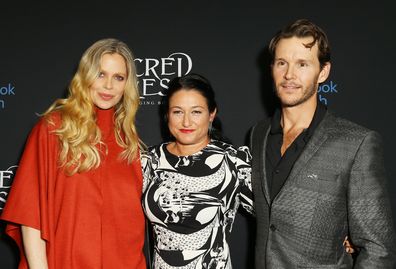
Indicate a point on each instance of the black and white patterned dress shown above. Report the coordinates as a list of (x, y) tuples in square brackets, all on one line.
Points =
[(191, 202)]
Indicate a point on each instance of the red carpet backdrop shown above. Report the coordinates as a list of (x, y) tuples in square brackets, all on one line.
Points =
[(40, 46)]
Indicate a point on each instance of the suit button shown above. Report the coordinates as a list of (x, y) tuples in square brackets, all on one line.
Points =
[(272, 227)]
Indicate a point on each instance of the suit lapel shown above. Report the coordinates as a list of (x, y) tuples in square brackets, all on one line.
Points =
[(316, 141), (258, 139), (264, 182)]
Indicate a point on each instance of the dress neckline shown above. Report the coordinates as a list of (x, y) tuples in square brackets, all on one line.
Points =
[(165, 148), (105, 122)]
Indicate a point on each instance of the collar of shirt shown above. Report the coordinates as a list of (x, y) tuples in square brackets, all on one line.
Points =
[(319, 114)]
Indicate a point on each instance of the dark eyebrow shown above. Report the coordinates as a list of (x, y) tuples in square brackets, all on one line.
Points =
[(175, 107), (304, 61), (192, 107)]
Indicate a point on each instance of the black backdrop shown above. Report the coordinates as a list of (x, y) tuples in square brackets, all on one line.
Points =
[(41, 44)]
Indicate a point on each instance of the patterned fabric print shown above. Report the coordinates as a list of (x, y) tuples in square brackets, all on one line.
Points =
[(169, 240), (183, 183), (192, 201), (161, 264)]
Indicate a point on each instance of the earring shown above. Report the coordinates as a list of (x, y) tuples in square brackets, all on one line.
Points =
[(210, 129)]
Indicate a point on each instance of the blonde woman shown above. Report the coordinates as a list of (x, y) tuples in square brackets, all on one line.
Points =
[(78, 187)]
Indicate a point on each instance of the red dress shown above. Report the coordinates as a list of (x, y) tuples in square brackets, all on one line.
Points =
[(91, 220)]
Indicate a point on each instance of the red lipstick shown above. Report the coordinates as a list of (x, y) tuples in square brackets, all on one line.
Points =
[(186, 131)]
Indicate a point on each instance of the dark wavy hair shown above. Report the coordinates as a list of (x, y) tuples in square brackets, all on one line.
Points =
[(304, 28), (200, 84)]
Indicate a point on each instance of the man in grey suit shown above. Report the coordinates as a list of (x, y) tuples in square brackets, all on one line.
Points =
[(317, 178)]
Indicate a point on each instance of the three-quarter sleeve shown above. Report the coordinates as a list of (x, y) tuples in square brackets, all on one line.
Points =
[(28, 202), (244, 174)]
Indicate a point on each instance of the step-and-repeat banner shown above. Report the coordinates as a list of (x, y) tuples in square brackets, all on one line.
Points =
[(40, 46)]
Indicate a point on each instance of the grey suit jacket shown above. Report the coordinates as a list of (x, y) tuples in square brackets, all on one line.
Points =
[(337, 187)]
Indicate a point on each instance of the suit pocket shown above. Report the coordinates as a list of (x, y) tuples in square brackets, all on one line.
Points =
[(332, 177), (320, 267), (318, 182)]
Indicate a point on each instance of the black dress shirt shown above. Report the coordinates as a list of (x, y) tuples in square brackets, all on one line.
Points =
[(278, 167)]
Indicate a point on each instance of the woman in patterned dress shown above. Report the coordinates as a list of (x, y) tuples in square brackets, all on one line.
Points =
[(194, 184)]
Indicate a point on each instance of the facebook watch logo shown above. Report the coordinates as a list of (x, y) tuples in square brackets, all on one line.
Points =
[(7, 90), (6, 178), (325, 90)]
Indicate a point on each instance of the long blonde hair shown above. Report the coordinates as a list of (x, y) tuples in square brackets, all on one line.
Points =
[(79, 134)]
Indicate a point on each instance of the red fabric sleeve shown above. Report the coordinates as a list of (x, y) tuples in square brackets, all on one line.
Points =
[(27, 203)]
